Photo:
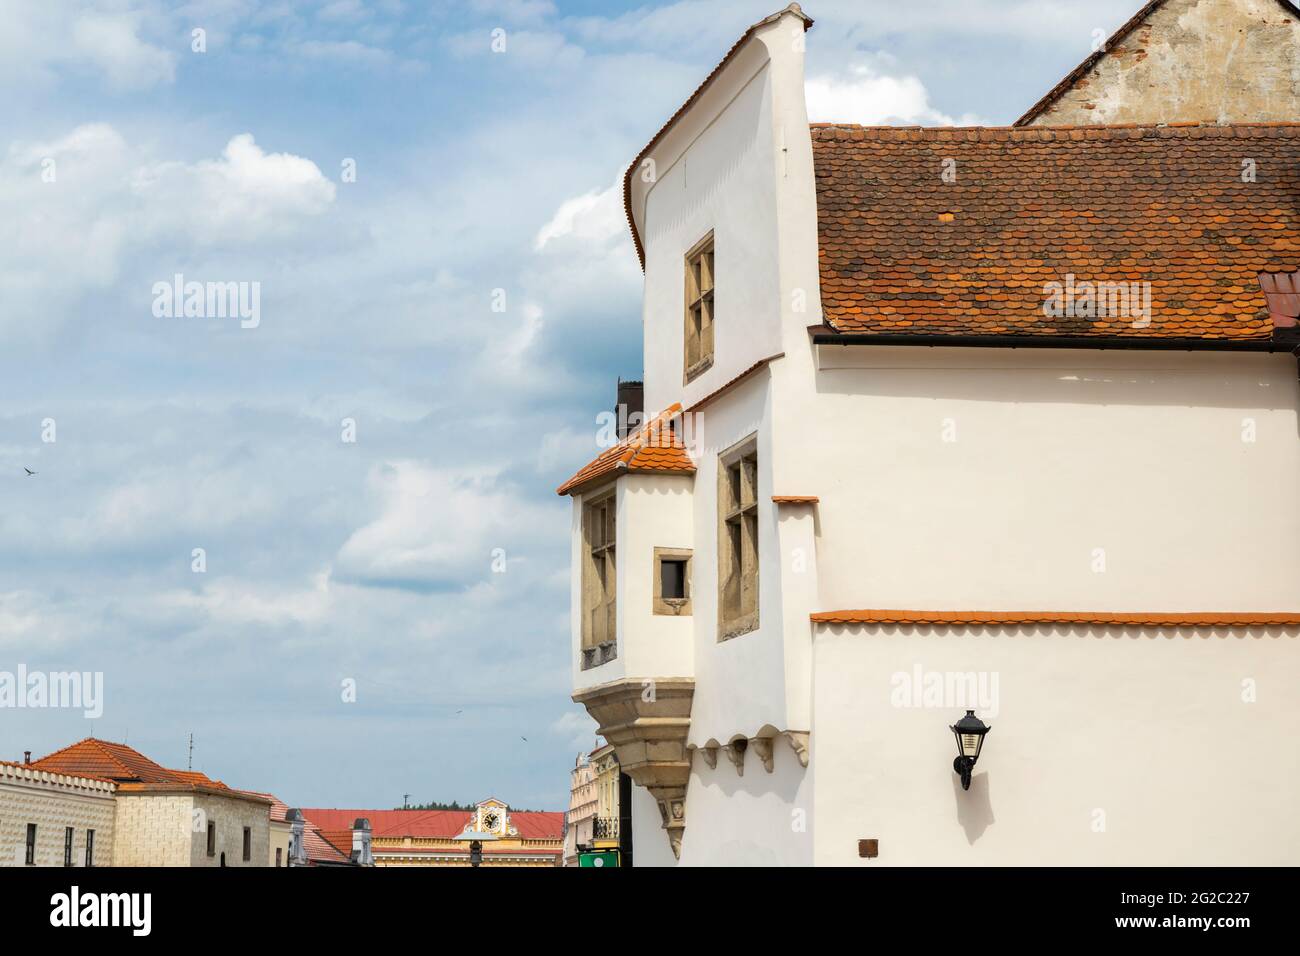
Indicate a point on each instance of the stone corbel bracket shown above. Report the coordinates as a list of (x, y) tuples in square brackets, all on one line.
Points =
[(799, 741), (647, 721)]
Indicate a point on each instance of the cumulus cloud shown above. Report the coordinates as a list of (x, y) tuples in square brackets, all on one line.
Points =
[(867, 97), (594, 217), (437, 528), (100, 39), (245, 194)]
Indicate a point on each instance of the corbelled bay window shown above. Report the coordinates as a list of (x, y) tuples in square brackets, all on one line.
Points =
[(738, 540), (599, 628), (699, 307)]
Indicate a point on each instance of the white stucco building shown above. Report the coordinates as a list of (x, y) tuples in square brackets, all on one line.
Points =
[(990, 419)]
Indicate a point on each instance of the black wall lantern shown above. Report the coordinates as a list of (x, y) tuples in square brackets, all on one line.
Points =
[(969, 731)]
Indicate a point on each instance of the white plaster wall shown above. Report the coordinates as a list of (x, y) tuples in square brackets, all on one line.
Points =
[(654, 512), (1057, 454), (722, 180), (758, 819), (1149, 729), (740, 683)]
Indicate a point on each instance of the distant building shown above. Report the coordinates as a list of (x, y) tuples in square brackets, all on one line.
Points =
[(443, 837), (582, 808), (281, 830), (98, 803), (54, 819)]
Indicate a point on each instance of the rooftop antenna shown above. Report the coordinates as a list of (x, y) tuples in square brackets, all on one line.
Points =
[(406, 797), (189, 764)]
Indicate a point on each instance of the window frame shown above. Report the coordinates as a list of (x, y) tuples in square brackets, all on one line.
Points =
[(69, 837), (90, 848), (599, 593), (677, 607), (212, 838), (740, 555), (248, 844), (30, 855), (699, 292)]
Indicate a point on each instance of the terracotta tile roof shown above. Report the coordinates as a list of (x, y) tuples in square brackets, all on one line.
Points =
[(902, 251), (110, 761), (656, 447), (431, 824), (1115, 39), (690, 101), (1015, 618), (320, 850), (131, 770)]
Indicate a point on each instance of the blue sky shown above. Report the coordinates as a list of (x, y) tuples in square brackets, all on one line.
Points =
[(372, 560)]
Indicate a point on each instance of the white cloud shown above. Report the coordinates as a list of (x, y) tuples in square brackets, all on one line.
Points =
[(437, 528), (111, 42), (102, 39), (577, 729), (595, 216), (870, 98), (246, 194)]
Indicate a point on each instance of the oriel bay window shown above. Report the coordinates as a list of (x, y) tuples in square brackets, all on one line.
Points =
[(599, 629), (699, 308), (738, 540)]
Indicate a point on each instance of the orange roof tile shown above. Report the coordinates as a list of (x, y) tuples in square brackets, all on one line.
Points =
[(1014, 618), (656, 447), (111, 761), (904, 252)]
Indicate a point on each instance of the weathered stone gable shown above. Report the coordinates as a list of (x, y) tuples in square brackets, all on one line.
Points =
[(1207, 61)]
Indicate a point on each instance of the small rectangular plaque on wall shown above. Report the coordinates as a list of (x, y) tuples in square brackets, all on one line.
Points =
[(869, 849)]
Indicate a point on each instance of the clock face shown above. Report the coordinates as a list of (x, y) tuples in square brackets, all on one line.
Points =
[(490, 821)]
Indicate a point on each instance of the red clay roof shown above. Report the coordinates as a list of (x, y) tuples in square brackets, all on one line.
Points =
[(1109, 46), (1014, 618), (110, 761), (657, 447), (902, 251), (321, 850), (432, 824)]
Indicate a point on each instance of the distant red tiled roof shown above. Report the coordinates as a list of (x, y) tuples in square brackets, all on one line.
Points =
[(131, 770), (320, 850), (431, 824), (904, 252), (657, 447), (1013, 618)]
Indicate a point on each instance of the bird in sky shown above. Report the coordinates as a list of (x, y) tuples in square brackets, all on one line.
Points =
[(523, 738), (29, 471)]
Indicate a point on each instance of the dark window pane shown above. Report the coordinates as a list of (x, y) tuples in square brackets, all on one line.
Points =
[(672, 579)]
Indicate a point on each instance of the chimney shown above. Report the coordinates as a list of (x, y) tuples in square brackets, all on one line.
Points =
[(630, 407), (27, 756), (297, 843), (361, 854)]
